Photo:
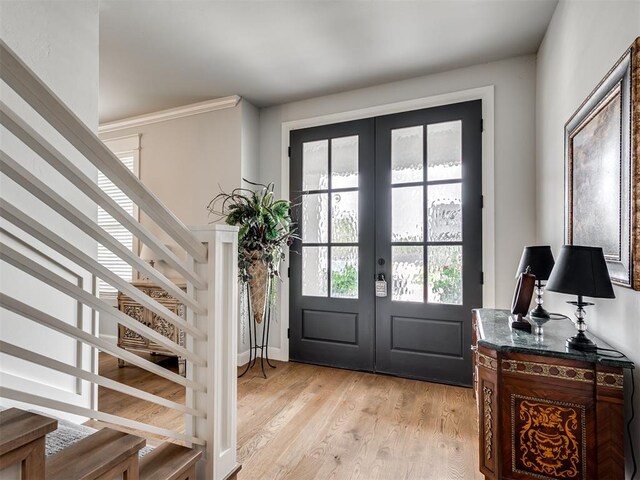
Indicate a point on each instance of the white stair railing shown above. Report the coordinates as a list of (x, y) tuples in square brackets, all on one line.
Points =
[(53, 157), (210, 272), (34, 91), (220, 378)]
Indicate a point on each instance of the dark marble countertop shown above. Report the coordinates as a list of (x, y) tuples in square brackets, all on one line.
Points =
[(494, 332)]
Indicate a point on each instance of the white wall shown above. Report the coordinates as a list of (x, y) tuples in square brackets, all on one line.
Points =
[(514, 82), (250, 144), (583, 41), (54, 39), (187, 161), (250, 156)]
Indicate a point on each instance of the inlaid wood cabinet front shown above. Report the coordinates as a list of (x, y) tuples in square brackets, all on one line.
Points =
[(130, 340), (543, 416)]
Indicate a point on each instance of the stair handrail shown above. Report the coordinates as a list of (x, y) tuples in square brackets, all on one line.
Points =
[(41, 147), (38, 188), (41, 233), (210, 272), (15, 73)]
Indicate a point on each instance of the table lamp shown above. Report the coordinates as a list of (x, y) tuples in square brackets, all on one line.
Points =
[(540, 261), (160, 265), (148, 255), (581, 271)]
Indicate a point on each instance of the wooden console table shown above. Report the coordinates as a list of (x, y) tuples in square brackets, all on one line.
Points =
[(130, 340), (545, 412)]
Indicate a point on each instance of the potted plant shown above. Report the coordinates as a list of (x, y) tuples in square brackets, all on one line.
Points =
[(265, 230)]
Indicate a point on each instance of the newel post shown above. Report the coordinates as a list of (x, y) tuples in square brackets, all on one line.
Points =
[(220, 349)]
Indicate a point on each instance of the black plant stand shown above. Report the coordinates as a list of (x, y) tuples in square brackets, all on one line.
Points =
[(253, 339)]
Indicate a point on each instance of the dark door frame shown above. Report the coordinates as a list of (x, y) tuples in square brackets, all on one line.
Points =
[(358, 350), (486, 94), (398, 323)]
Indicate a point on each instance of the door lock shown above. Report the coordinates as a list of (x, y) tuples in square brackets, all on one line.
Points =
[(381, 285), (381, 261)]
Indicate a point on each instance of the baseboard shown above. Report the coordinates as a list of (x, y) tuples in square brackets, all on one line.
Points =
[(275, 353), (243, 358)]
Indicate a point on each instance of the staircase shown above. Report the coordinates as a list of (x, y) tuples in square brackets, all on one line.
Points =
[(47, 257), (106, 454)]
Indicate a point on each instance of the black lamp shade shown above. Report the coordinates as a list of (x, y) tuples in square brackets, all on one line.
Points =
[(539, 259), (581, 271)]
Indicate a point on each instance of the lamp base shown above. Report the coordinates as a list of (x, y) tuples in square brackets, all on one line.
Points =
[(580, 342), (539, 312), (516, 321)]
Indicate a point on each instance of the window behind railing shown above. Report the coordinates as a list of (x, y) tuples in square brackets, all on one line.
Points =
[(127, 151)]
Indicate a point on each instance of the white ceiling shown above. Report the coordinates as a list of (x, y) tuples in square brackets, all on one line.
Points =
[(162, 54)]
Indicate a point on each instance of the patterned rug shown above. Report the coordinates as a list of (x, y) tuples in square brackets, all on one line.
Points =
[(69, 433)]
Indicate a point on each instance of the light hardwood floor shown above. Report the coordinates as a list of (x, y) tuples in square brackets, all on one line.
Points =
[(315, 423)]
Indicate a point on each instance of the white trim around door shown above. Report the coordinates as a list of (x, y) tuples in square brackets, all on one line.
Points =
[(486, 94)]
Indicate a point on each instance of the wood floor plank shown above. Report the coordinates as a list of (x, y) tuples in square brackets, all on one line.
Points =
[(309, 408), (325, 443), (366, 420), (390, 444), (374, 438), (306, 422), (293, 456)]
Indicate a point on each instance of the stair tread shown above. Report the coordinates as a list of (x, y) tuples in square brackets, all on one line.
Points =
[(167, 461), (20, 428), (94, 455)]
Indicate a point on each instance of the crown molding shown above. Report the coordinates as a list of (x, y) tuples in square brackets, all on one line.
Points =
[(171, 114)]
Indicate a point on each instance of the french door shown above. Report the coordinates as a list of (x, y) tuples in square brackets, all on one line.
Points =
[(392, 201)]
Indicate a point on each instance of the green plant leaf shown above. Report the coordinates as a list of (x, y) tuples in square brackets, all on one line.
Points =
[(265, 224)]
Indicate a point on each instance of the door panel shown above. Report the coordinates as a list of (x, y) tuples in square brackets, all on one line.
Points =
[(428, 213), (398, 195), (332, 308)]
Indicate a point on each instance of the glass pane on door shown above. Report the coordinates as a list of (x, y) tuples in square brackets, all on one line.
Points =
[(314, 271), (407, 265), (344, 272), (344, 217), (314, 218), (315, 165), (407, 146), (426, 216), (444, 212), (329, 224), (444, 151), (444, 279), (406, 214), (344, 162)]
